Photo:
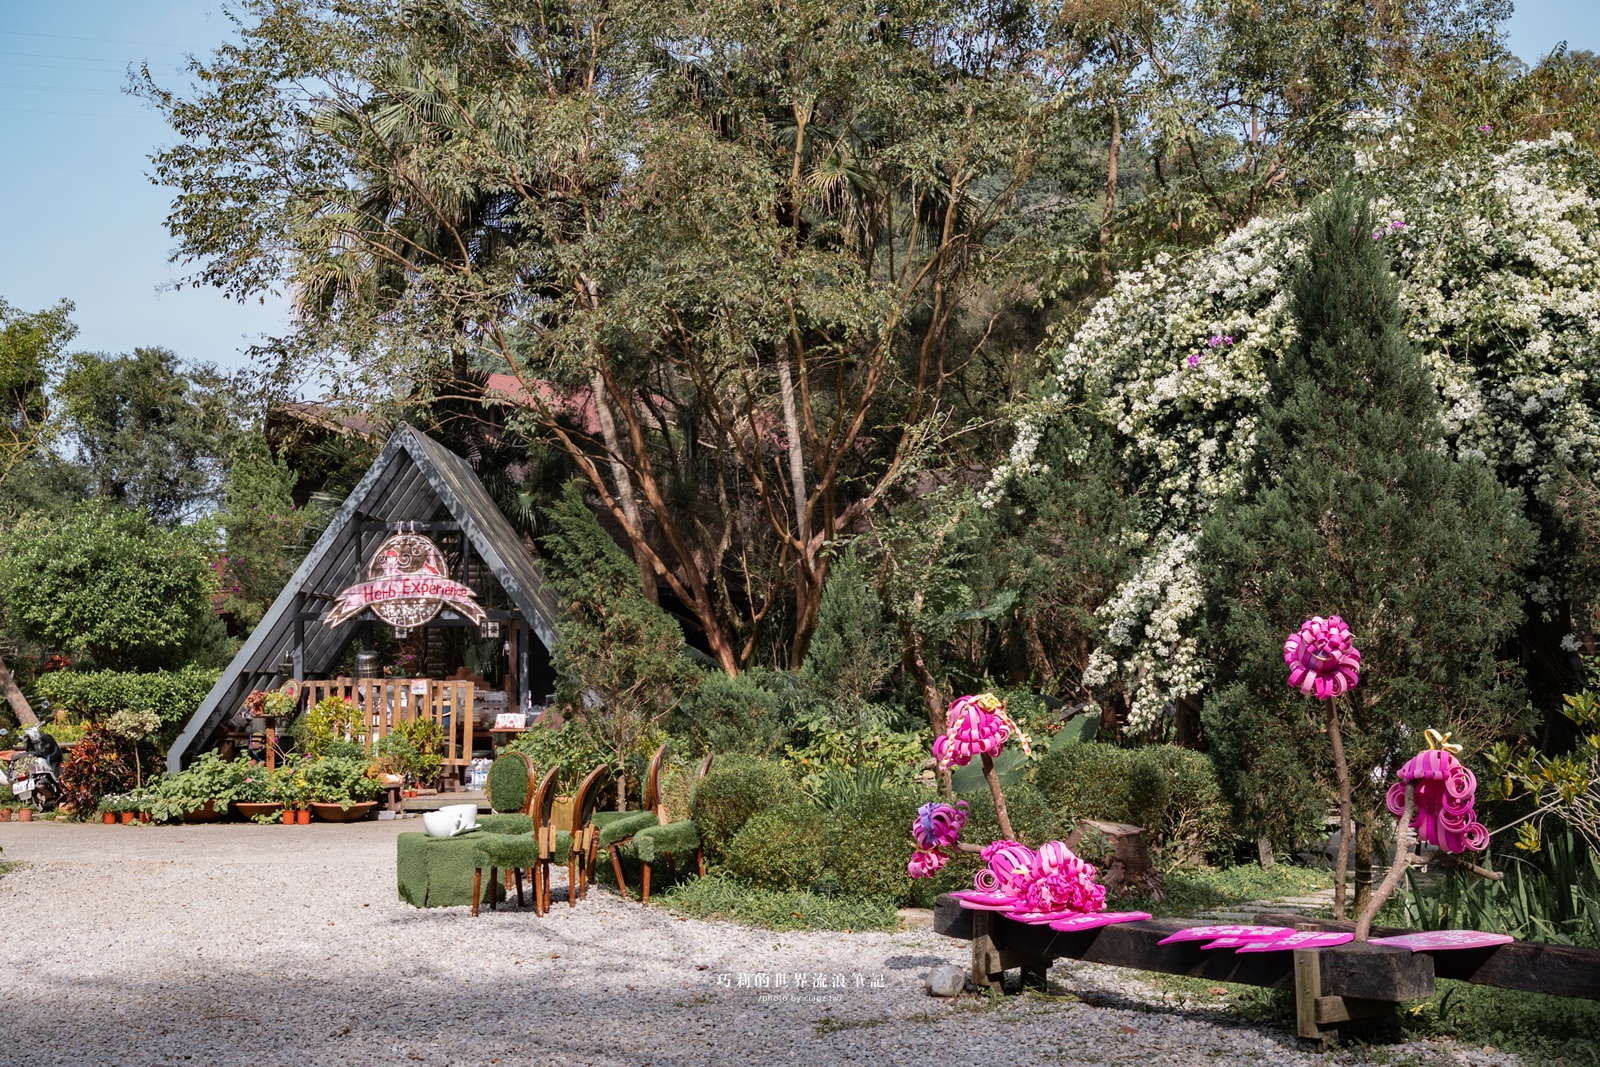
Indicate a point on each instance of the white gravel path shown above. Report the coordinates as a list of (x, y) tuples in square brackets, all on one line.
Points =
[(268, 946)]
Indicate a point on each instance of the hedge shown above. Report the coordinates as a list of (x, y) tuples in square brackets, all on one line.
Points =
[(736, 789), (173, 695)]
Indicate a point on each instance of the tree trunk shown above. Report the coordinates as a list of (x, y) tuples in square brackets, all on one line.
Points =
[(622, 792), (619, 474), (1403, 843), (19, 703), (1111, 196), (1342, 858), (1264, 852), (932, 698), (1000, 814), (1365, 846)]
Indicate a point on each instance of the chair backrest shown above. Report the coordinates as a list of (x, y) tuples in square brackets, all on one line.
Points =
[(583, 804), (652, 780), (511, 784), (699, 775), (544, 802)]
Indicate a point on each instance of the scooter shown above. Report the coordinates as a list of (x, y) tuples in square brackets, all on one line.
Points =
[(34, 776)]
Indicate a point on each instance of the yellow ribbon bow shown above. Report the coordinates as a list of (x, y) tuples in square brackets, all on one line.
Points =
[(1441, 741)]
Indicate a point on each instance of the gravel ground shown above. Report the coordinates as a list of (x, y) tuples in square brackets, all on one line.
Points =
[(267, 946)]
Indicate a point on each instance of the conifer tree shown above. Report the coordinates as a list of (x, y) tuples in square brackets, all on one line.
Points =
[(1352, 508)]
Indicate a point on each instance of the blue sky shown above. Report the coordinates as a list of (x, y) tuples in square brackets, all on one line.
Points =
[(80, 219)]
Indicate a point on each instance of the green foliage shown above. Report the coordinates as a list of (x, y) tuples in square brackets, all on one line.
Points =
[(338, 780), (110, 583), (1033, 819), (854, 647), (171, 696), (509, 788), (1353, 507), (412, 749), (152, 435), (1553, 896), (333, 719), (619, 659), (567, 747), (1193, 890), (737, 788), (31, 345), (208, 779), (820, 744), (718, 897), (783, 848), (751, 713), (1170, 791), (1541, 1030), (869, 842), (1565, 785), (262, 528)]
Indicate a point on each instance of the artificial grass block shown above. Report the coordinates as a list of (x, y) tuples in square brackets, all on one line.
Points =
[(510, 784), (437, 872), (614, 830), (654, 842), (506, 824)]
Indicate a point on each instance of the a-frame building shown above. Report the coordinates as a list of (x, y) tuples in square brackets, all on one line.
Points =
[(415, 483)]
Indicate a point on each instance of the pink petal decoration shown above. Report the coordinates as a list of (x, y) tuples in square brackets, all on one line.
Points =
[(1209, 933), (1078, 923), (1443, 791), (1436, 940), (1322, 657), (1299, 939)]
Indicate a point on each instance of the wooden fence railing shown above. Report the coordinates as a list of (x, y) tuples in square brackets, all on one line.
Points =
[(387, 701)]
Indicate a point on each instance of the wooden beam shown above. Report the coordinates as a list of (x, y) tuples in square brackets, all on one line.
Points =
[(405, 526), (1370, 972), (1533, 967)]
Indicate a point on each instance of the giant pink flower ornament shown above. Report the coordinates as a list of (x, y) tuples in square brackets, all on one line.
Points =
[(935, 828), (978, 725), (1443, 791), (1322, 657)]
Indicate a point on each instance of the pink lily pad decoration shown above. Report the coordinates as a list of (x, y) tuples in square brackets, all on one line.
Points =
[(1095, 920), (1211, 933), (1299, 939), (1233, 942), (1041, 918), (975, 898), (1433, 940)]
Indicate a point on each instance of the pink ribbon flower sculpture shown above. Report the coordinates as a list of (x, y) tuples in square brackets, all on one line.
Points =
[(936, 829), (978, 726), (1323, 659), (1442, 790)]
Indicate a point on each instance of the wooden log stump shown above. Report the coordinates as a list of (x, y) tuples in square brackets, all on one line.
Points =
[(1124, 861)]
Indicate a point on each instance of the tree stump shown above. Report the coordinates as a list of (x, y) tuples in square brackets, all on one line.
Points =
[(1123, 857)]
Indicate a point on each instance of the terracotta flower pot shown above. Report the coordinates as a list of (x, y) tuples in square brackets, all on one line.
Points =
[(144, 816), (303, 816), (246, 809), (127, 818), (24, 814), (334, 813), (288, 817), (111, 818), (5, 814), (207, 812)]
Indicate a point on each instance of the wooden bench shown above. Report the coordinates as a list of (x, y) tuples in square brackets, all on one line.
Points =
[(1331, 985)]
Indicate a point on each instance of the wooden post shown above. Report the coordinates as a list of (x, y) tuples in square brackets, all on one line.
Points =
[(987, 972), (1307, 988)]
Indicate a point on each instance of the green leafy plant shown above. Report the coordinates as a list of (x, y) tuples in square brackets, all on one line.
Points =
[(341, 781), (426, 739), (570, 749), (172, 696), (332, 719), (209, 779), (736, 788)]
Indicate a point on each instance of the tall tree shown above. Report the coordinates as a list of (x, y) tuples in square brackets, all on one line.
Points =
[(1353, 508), (736, 259), (30, 347), (152, 434)]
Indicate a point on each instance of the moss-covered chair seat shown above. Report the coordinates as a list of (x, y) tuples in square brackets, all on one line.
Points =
[(617, 828), (667, 840), (502, 852)]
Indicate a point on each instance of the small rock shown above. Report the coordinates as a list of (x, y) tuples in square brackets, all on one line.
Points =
[(947, 980)]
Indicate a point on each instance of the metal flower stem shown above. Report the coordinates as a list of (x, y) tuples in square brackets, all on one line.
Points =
[(1404, 841), (1341, 769)]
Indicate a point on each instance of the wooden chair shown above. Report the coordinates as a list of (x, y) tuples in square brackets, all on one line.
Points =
[(585, 841), (668, 840), (544, 800), (620, 829)]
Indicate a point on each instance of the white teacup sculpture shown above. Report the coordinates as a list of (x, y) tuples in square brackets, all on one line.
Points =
[(450, 821)]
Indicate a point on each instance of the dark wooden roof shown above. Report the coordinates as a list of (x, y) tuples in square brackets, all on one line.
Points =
[(412, 478)]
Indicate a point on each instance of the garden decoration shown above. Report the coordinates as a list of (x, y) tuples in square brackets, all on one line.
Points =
[(1324, 663), (979, 726), (1432, 802), (1049, 885)]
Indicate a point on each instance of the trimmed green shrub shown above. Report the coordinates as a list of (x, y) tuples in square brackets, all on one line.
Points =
[(753, 713), (783, 848), (869, 842), (737, 788), (1170, 791), (172, 695)]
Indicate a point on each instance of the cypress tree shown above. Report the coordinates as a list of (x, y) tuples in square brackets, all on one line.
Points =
[(1353, 508)]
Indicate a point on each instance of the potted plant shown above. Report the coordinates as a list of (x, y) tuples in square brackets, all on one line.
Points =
[(288, 788), (109, 809), (199, 793), (341, 789), (252, 794)]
